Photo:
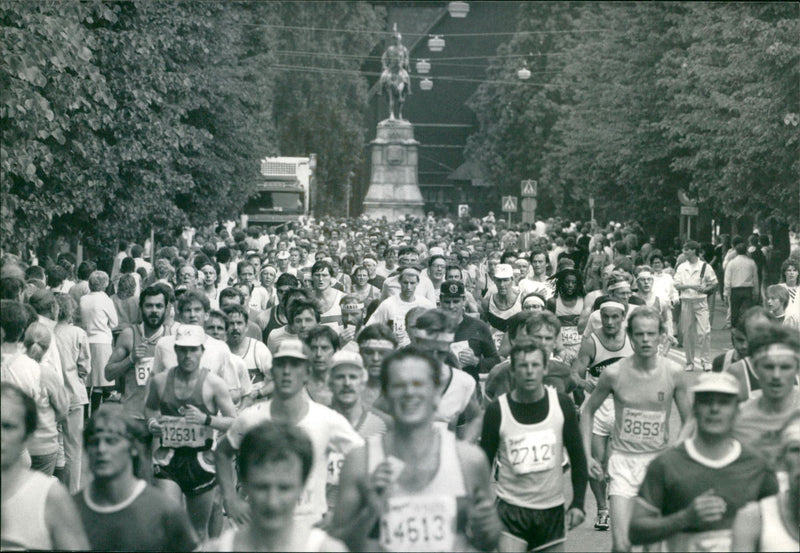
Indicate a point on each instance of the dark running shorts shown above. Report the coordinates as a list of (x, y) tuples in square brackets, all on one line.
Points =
[(541, 528), (186, 470)]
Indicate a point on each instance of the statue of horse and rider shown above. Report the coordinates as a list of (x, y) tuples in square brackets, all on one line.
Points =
[(395, 76)]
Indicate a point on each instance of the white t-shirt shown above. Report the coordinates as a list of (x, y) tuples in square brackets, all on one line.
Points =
[(216, 357), (329, 432), (392, 311)]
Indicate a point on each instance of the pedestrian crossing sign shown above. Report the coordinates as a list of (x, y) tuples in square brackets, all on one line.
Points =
[(529, 188), (509, 204)]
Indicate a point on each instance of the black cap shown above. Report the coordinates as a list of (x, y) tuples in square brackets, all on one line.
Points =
[(452, 289)]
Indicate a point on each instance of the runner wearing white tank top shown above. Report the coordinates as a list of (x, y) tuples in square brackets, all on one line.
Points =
[(773, 523), (600, 349), (416, 488), (643, 387)]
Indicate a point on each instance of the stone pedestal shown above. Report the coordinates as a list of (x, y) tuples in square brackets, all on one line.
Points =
[(394, 188)]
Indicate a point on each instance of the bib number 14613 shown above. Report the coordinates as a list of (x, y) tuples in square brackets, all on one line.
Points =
[(419, 524)]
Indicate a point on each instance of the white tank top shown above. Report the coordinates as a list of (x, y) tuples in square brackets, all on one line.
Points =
[(426, 519), (642, 406), (604, 356), (333, 316), (498, 319), (774, 536), (530, 456), (23, 522)]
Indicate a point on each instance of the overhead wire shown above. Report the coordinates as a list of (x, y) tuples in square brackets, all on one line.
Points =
[(311, 69), (434, 61), (443, 35)]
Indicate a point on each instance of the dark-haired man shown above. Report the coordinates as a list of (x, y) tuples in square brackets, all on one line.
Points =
[(134, 352), (416, 488), (524, 435)]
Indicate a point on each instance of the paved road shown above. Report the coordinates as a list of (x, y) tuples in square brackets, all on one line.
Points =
[(585, 537)]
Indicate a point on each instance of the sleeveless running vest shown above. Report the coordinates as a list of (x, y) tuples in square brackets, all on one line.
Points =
[(642, 406), (498, 319), (198, 437), (530, 456), (333, 316), (604, 356), (249, 359), (24, 526), (426, 519), (172, 405), (774, 536), (137, 379)]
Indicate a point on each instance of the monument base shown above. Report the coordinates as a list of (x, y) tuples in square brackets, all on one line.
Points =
[(394, 190)]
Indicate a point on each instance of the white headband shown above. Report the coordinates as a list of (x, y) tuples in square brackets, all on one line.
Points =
[(612, 305), (775, 349), (617, 285)]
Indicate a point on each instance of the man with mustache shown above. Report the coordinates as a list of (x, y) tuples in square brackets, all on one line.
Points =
[(132, 359), (256, 356)]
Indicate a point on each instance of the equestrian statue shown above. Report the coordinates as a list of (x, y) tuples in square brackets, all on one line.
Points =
[(395, 76)]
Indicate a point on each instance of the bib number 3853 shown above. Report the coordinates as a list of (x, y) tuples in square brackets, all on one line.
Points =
[(646, 427), (419, 524)]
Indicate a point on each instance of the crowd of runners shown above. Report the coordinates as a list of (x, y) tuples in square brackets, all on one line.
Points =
[(425, 385)]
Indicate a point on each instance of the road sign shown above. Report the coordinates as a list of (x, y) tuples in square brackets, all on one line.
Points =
[(591, 203), (509, 204), (463, 210), (690, 210), (529, 204), (529, 188)]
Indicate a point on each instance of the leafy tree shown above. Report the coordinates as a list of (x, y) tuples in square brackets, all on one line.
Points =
[(120, 117), (51, 92), (321, 111), (730, 91)]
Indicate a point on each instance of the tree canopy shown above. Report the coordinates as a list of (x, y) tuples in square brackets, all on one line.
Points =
[(119, 117), (631, 102)]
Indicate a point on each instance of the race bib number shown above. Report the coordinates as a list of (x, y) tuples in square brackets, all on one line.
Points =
[(176, 432), (142, 370), (570, 336), (335, 462), (532, 452), (643, 427), (419, 524)]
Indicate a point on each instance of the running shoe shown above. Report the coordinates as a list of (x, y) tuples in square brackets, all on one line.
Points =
[(601, 522)]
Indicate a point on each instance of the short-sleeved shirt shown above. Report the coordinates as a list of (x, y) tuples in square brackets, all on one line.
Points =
[(328, 431), (147, 521), (679, 474)]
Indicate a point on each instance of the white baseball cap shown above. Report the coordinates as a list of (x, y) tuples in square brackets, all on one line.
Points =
[(722, 383), (291, 348), (344, 357), (190, 335), (503, 270)]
